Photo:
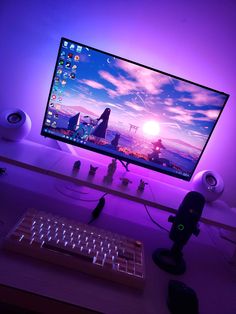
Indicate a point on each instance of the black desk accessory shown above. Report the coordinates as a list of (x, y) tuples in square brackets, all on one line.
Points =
[(185, 223), (181, 298)]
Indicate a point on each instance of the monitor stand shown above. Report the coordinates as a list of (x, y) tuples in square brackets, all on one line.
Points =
[(171, 261), (124, 164)]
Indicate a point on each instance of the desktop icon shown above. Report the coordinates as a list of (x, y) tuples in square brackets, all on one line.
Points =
[(54, 124), (68, 64), (76, 58), (63, 53), (72, 76), (57, 79), (74, 67), (49, 113), (63, 82), (65, 43), (70, 55), (61, 62), (59, 71), (65, 74), (51, 105), (60, 98), (72, 47), (78, 49), (54, 96)]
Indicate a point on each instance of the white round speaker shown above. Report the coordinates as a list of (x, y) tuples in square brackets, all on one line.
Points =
[(209, 183), (15, 124)]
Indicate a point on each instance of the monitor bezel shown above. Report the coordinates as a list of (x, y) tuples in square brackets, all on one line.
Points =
[(100, 151)]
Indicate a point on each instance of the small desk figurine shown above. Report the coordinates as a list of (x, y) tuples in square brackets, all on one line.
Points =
[(77, 164), (141, 186), (125, 181), (76, 168), (110, 171), (92, 170), (112, 168)]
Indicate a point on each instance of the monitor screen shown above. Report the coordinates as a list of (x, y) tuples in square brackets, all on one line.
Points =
[(129, 111)]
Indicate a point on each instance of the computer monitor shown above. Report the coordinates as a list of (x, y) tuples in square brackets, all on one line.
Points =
[(140, 115)]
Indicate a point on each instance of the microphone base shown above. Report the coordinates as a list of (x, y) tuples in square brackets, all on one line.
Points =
[(169, 261)]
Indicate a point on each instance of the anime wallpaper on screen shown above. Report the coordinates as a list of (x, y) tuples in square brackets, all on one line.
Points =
[(107, 104)]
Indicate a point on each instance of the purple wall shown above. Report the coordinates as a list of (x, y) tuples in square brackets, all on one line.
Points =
[(194, 41)]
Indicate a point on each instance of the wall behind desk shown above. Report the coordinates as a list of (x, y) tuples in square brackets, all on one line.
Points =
[(194, 40)]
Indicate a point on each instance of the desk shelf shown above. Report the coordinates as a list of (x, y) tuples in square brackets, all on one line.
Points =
[(59, 164)]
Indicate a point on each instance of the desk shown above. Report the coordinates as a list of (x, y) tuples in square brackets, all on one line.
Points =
[(52, 287)]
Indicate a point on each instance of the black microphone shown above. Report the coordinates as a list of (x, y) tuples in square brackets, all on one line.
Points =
[(185, 223)]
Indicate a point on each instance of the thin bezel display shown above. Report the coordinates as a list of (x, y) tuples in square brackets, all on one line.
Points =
[(132, 112)]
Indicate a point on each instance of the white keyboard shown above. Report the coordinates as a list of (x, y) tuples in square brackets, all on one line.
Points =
[(79, 246)]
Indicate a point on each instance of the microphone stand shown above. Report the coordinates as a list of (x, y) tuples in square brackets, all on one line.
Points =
[(171, 260)]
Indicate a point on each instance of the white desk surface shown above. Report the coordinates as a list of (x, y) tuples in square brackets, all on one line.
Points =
[(207, 271), (59, 164)]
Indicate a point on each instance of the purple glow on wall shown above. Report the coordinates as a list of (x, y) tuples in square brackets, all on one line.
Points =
[(193, 41)]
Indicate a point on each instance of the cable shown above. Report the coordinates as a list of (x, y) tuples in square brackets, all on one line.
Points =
[(91, 220), (226, 237), (66, 192), (156, 223), (97, 200)]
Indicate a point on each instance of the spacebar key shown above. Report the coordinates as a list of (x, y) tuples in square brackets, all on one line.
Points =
[(56, 248)]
